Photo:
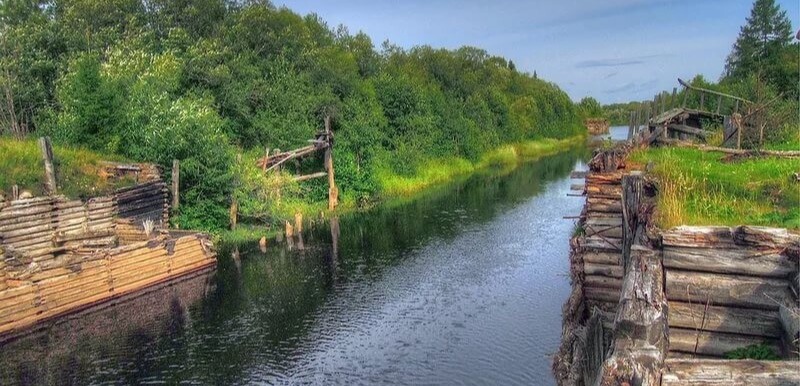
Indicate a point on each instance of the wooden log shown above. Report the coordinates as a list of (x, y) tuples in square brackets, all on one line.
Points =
[(601, 281), (727, 290), (764, 237), (744, 261), (611, 271), (603, 205), (610, 295), (600, 244), (309, 176), (640, 327), (699, 237), (713, 343), (715, 372), (746, 321), (605, 258)]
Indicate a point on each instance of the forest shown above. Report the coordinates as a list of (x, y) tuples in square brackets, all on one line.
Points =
[(212, 81)]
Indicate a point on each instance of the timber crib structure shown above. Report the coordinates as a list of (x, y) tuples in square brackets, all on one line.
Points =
[(664, 307), (60, 256)]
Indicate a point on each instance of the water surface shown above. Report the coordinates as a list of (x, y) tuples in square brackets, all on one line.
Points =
[(462, 285)]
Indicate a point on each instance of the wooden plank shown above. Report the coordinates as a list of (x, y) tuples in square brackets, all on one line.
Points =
[(768, 263), (715, 372), (725, 319), (610, 295), (727, 290), (713, 343)]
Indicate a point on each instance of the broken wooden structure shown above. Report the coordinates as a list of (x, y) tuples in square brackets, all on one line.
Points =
[(652, 307), (666, 120), (322, 142), (59, 255)]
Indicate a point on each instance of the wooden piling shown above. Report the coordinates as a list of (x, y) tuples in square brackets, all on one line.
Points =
[(49, 170), (333, 191), (176, 172)]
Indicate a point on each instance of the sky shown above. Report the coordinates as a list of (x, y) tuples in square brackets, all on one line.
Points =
[(612, 50)]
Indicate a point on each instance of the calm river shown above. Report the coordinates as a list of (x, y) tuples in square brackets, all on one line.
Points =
[(461, 285)]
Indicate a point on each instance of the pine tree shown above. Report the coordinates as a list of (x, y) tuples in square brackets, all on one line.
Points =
[(761, 40)]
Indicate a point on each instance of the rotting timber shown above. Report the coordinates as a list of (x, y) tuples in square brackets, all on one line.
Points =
[(663, 307), (61, 256)]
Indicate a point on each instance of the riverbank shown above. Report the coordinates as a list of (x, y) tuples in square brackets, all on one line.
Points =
[(699, 188), (395, 188)]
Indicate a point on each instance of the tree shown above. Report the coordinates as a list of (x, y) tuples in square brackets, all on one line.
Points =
[(761, 40)]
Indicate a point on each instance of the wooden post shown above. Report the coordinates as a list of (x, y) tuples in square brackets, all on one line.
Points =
[(176, 173), (15, 192), (686, 92), (719, 103), (234, 212), (702, 100), (631, 123), (49, 170), (266, 159), (298, 222), (333, 191)]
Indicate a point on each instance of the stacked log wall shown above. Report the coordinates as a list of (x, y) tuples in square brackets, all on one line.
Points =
[(726, 288), (83, 281), (596, 271), (137, 205)]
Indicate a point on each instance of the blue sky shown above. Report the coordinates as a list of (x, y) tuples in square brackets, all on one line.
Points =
[(613, 50)]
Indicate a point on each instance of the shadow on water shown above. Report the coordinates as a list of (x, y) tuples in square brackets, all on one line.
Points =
[(441, 288)]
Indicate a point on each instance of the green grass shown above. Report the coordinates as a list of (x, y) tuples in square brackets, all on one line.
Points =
[(77, 170), (702, 188), (761, 351), (438, 171)]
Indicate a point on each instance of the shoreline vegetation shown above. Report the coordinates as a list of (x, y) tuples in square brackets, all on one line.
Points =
[(435, 173), (703, 188)]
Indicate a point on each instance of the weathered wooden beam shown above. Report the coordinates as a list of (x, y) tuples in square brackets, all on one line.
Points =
[(728, 290), (640, 327), (716, 372), (742, 261), (49, 170), (698, 316), (309, 176), (713, 343)]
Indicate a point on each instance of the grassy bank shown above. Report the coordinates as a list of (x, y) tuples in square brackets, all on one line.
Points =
[(396, 188), (704, 188), (78, 170), (438, 171)]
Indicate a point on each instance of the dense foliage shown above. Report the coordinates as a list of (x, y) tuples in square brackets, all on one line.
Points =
[(200, 80)]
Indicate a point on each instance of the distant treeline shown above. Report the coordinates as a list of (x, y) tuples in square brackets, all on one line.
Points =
[(200, 80)]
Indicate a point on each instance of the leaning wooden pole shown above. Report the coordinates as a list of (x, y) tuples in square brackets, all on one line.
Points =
[(333, 191), (49, 169)]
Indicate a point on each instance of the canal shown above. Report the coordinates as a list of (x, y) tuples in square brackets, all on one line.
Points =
[(461, 285)]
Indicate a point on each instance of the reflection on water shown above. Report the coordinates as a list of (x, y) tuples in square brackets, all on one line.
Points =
[(462, 285)]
